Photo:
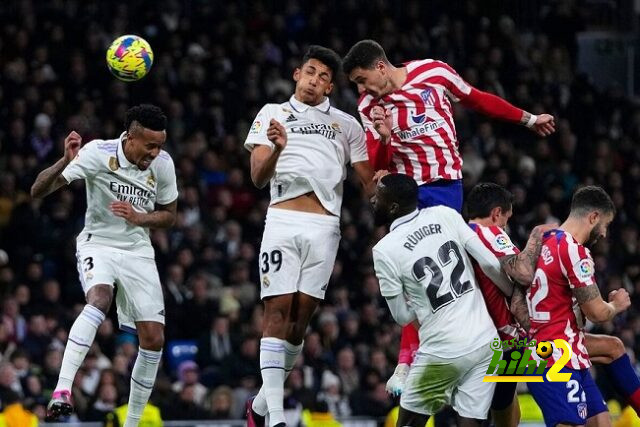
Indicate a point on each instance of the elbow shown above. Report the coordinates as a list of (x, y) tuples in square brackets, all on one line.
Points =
[(35, 192), (258, 181), (597, 316)]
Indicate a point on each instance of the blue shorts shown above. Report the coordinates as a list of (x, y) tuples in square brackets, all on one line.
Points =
[(437, 193), (572, 402)]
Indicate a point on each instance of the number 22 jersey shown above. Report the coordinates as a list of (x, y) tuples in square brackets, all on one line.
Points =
[(424, 256)]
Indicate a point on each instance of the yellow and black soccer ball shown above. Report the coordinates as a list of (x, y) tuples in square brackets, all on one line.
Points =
[(544, 349)]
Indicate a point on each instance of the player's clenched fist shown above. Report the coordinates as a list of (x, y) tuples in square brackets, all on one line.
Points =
[(620, 299), (277, 134), (381, 119), (72, 144)]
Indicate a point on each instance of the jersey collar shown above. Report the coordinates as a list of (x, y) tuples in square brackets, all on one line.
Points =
[(301, 107), (122, 160), (404, 219)]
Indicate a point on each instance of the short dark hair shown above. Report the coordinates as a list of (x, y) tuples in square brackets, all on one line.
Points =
[(591, 198), (325, 55), (363, 54), (486, 196), (147, 115), (402, 189)]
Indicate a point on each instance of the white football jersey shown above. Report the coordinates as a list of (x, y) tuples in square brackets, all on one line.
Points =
[(321, 140), (110, 177), (424, 256)]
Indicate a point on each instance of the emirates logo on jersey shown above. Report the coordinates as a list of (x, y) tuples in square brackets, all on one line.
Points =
[(325, 130)]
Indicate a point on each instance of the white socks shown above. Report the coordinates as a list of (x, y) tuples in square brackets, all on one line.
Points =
[(81, 336), (262, 405), (143, 377)]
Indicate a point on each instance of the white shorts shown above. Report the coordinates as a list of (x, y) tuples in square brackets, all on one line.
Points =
[(297, 253), (139, 292), (434, 382)]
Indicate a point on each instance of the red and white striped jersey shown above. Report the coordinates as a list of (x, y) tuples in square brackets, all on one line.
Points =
[(498, 242), (564, 264), (424, 142)]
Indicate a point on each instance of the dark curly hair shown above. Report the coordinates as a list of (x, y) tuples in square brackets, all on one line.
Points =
[(147, 115)]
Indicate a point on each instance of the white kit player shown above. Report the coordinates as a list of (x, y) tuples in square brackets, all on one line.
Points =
[(426, 276), (131, 187), (301, 147)]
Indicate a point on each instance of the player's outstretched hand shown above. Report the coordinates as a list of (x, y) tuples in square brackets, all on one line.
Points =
[(126, 211), (545, 125), (277, 134), (72, 144), (395, 385), (381, 119), (620, 299)]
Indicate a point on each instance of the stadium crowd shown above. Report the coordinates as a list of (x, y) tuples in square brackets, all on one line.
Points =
[(216, 63)]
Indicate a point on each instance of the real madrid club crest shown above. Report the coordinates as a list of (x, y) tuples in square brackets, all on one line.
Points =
[(113, 163), (265, 282), (151, 180), (336, 127)]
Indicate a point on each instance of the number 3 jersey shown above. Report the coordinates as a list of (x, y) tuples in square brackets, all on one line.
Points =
[(110, 177), (424, 257), (564, 264)]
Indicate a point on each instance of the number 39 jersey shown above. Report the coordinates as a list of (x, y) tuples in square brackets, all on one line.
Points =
[(563, 265), (423, 256)]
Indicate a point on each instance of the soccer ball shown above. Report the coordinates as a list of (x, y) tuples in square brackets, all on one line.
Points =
[(129, 58), (544, 349)]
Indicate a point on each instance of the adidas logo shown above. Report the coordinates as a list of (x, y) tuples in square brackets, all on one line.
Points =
[(161, 312), (324, 288), (291, 118)]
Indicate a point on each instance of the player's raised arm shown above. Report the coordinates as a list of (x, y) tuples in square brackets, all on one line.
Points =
[(50, 179), (492, 105)]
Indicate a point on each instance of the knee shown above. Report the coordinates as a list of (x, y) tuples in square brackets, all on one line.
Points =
[(153, 341), (100, 297), (275, 320)]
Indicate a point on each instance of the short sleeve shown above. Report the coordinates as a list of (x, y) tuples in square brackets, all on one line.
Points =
[(167, 185), (577, 263), (357, 144), (85, 165), (501, 244), (388, 277), (258, 130)]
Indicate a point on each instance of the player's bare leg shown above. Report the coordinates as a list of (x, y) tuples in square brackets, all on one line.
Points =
[(143, 376), (81, 337), (411, 419), (303, 308), (610, 351)]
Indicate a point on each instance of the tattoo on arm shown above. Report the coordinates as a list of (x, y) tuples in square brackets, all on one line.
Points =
[(49, 179), (522, 267), (586, 294), (519, 308)]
